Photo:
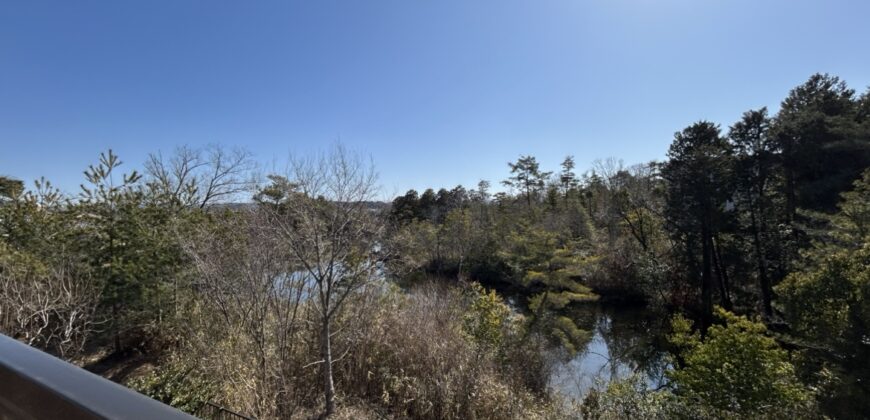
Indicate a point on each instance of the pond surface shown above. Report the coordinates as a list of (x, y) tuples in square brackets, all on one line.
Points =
[(625, 340)]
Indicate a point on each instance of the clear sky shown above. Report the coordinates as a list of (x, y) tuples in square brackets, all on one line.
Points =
[(438, 92)]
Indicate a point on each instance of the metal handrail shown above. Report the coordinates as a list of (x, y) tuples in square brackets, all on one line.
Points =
[(36, 385)]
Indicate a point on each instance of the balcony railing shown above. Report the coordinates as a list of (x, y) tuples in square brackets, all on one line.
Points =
[(35, 385)]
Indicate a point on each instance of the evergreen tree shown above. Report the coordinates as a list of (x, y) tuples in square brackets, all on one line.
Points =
[(827, 302), (567, 179), (823, 148), (527, 177), (697, 178), (129, 244), (755, 173), (10, 188), (406, 208)]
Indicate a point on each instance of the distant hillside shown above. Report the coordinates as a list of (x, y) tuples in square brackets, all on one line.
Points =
[(371, 205)]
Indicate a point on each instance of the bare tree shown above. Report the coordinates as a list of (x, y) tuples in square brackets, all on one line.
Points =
[(333, 236), (47, 307), (200, 177), (252, 315), (608, 169), (47, 300)]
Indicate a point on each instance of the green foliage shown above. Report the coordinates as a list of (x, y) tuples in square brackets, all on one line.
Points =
[(827, 303), (630, 399), (178, 384), (852, 222), (554, 272), (406, 208), (725, 218), (543, 261), (567, 179), (527, 177), (130, 245), (737, 368), (10, 188), (487, 317), (47, 291), (697, 175), (430, 205), (277, 192), (756, 179), (36, 221), (822, 146)]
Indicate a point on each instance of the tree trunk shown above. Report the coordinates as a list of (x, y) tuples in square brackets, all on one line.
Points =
[(326, 357), (706, 279), (529, 196), (763, 280), (722, 274), (459, 271), (787, 156), (114, 283), (116, 328)]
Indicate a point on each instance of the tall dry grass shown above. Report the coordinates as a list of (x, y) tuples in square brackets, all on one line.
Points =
[(401, 354), (414, 357)]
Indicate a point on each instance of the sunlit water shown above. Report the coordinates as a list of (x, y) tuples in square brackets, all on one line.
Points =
[(624, 341)]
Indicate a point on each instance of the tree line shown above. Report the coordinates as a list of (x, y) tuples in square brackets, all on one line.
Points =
[(305, 299), (740, 218)]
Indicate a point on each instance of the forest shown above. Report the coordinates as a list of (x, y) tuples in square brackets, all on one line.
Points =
[(195, 280)]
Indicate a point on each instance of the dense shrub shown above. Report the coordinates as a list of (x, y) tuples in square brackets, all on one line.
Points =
[(176, 382), (736, 368), (629, 399), (441, 353)]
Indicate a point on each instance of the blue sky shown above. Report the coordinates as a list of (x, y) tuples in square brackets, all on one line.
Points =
[(437, 92)]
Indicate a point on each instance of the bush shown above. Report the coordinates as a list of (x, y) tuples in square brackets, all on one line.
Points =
[(486, 319), (176, 383), (629, 399), (439, 353), (432, 352), (737, 369)]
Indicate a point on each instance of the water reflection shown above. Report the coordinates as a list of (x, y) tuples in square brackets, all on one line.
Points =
[(624, 341)]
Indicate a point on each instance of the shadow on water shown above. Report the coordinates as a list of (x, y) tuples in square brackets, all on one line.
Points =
[(625, 340)]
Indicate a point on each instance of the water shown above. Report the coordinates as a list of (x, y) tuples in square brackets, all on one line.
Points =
[(624, 341)]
